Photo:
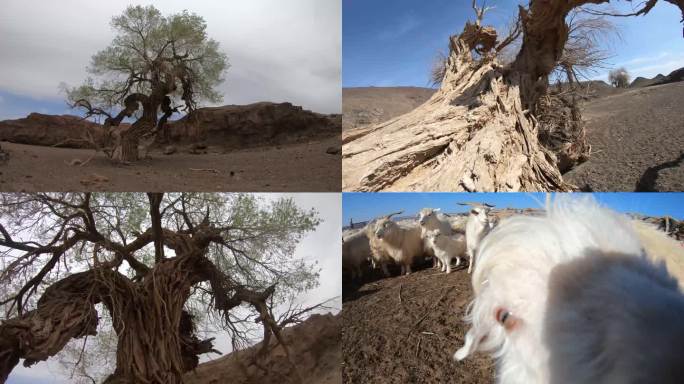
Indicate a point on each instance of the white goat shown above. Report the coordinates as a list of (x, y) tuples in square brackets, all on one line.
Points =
[(571, 297), (355, 251), (401, 244), (477, 227), (379, 256), (446, 248), (429, 219)]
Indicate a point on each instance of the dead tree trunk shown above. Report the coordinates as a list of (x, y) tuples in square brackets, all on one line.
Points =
[(473, 135), (480, 130)]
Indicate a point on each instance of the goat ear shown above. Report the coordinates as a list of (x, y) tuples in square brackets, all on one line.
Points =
[(437, 209)]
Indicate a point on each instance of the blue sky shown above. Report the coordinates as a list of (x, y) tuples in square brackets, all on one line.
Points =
[(365, 206), (390, 43), (14, 106)]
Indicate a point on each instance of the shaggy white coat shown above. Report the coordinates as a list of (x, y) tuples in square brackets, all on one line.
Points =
[(403, 245), (587, 303), (355, 251), (430, 219), (477, 228), (446, 248)]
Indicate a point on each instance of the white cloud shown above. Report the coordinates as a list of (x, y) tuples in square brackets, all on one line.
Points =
[(43, 372), (648, 66), (663, 68), (646, 59), (279, 51)]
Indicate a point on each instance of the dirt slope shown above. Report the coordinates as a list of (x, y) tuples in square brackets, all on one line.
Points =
[(254, 125), (228, 127), (314, 345), (637, 140), (406, 329), (294, 167), (372, 105), (41, 129)]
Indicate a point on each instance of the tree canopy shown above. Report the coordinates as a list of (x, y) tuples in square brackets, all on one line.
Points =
[(156, 264), (152, 53), (155, 61), (619, 77)]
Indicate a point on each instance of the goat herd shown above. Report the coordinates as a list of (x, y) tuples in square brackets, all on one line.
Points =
[(576, 294), (438, 235)]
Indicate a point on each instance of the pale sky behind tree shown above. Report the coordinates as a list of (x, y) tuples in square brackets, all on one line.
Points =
[(278, 50), (323, 247)]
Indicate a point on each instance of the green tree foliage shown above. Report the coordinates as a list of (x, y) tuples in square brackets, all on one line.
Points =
[(156, 56)]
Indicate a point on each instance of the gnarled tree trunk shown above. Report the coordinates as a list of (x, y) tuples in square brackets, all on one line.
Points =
[(472, 135), (156, 341), (156, 336), (122, 144), (480, 130)]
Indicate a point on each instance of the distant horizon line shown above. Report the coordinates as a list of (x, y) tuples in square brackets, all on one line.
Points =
[(602, 78)]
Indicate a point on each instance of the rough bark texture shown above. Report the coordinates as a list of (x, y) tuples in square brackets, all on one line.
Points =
[(156, 341), (122, 144), (480, 131), (472, 135)]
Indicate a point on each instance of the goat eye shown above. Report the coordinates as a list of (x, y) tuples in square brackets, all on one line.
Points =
[(502, 315)]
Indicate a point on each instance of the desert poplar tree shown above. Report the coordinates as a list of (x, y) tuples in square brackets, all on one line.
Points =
[(160, 64), (144, 269)]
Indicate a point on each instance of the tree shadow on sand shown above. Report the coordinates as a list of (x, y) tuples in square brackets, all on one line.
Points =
[(647, 182)]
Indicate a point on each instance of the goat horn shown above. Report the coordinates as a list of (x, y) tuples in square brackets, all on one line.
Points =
[(474, 204), (395, 213)]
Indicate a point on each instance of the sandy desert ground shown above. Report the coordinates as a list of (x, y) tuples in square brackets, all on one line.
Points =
[(372, 105), (406, 329), (636, 134), (293, 167), (255, 147), (637, 140)]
